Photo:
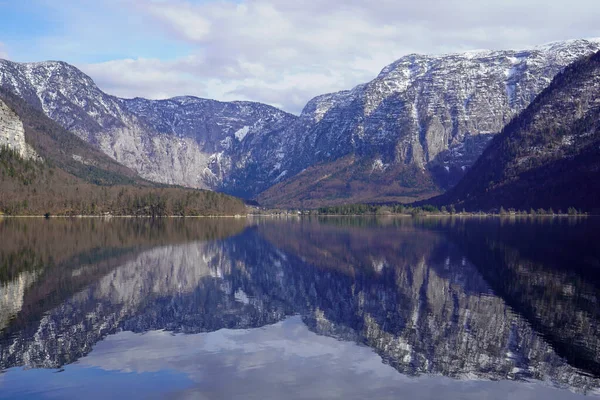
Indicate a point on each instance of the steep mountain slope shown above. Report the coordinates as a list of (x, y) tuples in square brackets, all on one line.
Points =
[(351, 179), (222, 142), (13, 134), (186, 141), (549, 156), (426, 118), (42, 139), (46, 169)]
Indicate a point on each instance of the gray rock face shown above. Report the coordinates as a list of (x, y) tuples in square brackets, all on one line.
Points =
[(186, 140), (12, 133), (436, 112), (433, 112), (238, 141)]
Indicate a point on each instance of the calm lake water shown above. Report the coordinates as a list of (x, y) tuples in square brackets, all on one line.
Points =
[(354, 308)]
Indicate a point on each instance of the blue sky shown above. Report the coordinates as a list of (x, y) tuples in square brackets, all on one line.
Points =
[(279, 52), (81, 32)]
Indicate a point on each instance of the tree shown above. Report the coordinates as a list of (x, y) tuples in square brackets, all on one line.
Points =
[(430, 209), (572, 211)]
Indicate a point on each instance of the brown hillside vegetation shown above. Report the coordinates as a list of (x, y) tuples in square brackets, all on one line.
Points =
[(350, 180)]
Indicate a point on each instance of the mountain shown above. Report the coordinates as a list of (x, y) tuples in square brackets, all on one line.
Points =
[(416, 128), (186, 141), (548, 156), (410, 133), (35, 137), (230, 147), (47, 169)]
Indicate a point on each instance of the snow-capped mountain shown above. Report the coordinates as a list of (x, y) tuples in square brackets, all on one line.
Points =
[(236, 141), (187, 141), (409, 133), (435, 114)]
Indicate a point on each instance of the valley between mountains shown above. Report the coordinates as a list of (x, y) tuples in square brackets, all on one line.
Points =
[(414, 132)]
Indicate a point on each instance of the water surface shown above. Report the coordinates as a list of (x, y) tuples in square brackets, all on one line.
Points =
[(300, 308)]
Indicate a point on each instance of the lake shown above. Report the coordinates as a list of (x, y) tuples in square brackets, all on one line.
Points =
[(300, 308)]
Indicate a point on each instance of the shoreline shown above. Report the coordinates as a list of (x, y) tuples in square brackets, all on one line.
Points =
[(428, 215), (122, 216), (240, 216)]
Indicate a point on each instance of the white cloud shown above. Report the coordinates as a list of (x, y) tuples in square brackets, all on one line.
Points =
[(150, 78), (183, 20), (284, 53)]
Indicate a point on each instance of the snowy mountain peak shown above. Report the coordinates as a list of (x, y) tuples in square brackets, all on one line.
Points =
[(568, 44)]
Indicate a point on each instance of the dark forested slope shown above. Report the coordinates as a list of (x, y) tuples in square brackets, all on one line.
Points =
[(548, 156)]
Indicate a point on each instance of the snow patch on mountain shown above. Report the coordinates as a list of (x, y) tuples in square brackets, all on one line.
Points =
[(241, 133)]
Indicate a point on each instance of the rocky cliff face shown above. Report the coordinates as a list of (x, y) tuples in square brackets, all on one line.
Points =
[(236, 143), (411, 132), (546, 157), (12, 133)]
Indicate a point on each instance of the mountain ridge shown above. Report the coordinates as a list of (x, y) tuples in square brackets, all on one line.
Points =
[(439, 123), (423, 120), (73, 100)]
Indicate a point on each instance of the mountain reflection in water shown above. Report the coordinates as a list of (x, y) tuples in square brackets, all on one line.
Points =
[(438, 300)]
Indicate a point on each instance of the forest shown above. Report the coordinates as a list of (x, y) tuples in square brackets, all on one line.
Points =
[(35, 188)]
